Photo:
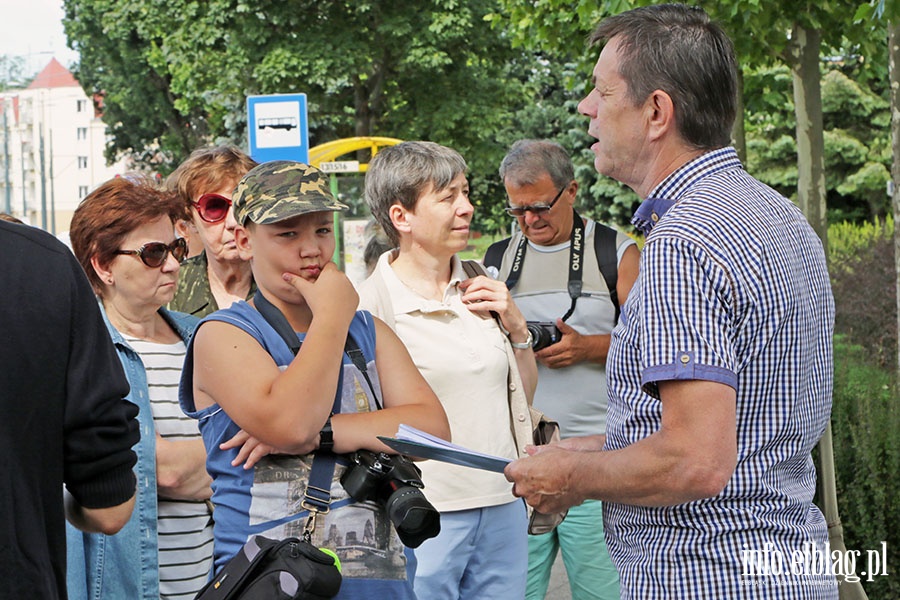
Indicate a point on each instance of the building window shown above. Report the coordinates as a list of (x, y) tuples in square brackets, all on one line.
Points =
[(82, 162), (81, 105), (82, 191), (81, 133)]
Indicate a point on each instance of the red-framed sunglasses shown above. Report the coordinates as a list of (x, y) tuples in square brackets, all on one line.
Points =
[(212, 208), (154, 254)]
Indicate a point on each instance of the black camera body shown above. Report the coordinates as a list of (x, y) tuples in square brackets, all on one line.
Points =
[(543, 333), (396, 483)]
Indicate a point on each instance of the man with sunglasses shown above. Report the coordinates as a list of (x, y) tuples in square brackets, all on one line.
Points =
[(553, 252), (217, 277)]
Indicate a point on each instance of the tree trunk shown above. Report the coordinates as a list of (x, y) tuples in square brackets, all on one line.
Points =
[(894, 75), (738, 132), (363, 121), (806, 78), (804, 61)]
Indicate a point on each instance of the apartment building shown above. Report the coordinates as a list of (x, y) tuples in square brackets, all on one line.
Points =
[(52, 149)]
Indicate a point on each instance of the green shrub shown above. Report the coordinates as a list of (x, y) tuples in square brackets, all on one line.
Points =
[(863, 280), (846, 239), (866, 421)]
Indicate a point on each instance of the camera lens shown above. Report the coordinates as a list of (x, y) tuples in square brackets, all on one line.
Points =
[(541, 336), (414, 518)]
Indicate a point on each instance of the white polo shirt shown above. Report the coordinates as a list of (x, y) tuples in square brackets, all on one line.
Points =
[(463, 358)]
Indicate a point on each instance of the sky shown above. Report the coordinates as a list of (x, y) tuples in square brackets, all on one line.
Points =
[(33, 29)]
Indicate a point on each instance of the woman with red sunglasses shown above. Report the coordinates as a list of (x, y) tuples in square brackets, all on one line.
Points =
[(217, 277)]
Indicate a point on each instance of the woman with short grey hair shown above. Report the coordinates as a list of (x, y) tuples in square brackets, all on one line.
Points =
[(481, 368)]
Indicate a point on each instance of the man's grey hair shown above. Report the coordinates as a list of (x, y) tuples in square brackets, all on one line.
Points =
[(402, 173), (528, 160)]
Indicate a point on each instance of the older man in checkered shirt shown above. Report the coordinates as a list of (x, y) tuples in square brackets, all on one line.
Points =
[(720, 373)]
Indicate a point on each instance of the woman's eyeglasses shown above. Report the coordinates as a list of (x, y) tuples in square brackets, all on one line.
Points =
[(154, 254), (212, 207), (536, 209)]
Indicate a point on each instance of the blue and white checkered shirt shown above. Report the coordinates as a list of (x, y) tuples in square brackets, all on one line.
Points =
[(733, 288)]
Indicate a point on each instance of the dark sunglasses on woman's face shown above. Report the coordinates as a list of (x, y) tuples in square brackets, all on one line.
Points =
[(212, 208), (154, 254)]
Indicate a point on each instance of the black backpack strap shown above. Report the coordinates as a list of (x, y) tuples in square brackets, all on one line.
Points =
[(608, 259), (472, 268), (317, 496), (494, 255)]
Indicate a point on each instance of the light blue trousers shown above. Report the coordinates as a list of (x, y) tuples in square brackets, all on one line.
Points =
[(592, 574), (480, 554)]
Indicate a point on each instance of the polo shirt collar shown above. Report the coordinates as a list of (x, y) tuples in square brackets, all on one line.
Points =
[(665, 195), (405, 300)]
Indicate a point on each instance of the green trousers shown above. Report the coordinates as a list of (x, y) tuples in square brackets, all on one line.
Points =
[(592, 574)]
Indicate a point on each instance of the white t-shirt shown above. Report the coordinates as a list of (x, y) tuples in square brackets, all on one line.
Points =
[(184, 528), (575, 396)]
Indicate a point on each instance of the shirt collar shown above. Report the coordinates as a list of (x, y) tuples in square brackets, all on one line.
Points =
[(665, 195), (405, 300), (118, 339)]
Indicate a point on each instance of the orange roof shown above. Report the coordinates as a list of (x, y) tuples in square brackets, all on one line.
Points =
[(54, 75)]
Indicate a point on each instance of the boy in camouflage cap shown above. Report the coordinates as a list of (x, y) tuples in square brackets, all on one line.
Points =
[(281, 189), (241, 375)]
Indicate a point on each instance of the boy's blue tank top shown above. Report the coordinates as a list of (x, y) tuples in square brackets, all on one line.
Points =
[(266, 499)]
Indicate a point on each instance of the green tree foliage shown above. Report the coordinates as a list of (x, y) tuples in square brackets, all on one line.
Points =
[(856, 119), (177, 72), (763, 37), (115, 41), (555, 84), (473, 75)]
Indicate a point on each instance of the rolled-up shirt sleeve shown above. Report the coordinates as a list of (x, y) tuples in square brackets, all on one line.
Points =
[(687, 322)]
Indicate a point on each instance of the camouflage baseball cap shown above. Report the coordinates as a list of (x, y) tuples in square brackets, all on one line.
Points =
[(281, 189)]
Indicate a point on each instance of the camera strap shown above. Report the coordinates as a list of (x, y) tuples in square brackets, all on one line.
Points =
[(317, 497), (576, 256)]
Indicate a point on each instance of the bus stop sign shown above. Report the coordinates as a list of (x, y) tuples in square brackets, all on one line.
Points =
[(277, 127)]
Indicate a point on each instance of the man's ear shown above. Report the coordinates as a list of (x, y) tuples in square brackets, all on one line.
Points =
[(398, 216), (660, 113), (243, 243), (572, 189)]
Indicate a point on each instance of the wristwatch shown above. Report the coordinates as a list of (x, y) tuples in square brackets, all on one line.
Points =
[(326, 436), (523, 345)]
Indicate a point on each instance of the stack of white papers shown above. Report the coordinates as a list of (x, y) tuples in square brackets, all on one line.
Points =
[(416, 442)]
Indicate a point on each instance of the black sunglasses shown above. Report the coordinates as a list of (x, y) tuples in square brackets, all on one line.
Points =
[(537, 209), (154, 254), (212, 208)]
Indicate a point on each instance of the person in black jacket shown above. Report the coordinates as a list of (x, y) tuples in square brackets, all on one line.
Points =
[(63, 417)]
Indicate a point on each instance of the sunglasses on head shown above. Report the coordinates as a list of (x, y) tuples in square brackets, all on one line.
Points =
[(154, 254), (536, 209), (212, 208)]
